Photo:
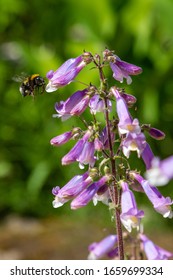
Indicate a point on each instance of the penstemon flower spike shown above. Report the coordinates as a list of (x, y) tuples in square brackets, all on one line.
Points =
[(102, 151)]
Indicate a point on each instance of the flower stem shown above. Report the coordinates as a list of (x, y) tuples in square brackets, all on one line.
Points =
[(115, 194)]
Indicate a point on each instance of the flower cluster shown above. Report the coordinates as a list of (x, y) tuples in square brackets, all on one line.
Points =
[(102, 150), (108, 247)]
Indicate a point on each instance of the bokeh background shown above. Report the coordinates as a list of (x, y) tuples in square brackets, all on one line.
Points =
[(37, 36)]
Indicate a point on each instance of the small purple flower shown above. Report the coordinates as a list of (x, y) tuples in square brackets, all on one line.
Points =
[(74, 105), (65, 74), (160, 172), (130, 215), (126, 123), (87, 195), (120, 68), (154, 132), (152, 251), (104, 247), (83, 152), (160, 203), (124, 116), (76, 185), (74, 153), (61, 139), (133, 142)]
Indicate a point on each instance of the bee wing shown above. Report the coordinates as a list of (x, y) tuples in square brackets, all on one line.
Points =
[(20, 78), (17, 79)]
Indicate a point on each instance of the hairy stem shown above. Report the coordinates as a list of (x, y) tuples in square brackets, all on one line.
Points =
[(115, 194)]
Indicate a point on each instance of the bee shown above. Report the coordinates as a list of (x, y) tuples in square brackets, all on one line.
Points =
[(29, 84)]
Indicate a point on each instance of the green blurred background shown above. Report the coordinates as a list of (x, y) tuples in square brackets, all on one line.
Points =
[(37, 36)]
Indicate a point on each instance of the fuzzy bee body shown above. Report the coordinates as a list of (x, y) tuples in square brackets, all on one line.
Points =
[(30, 84)]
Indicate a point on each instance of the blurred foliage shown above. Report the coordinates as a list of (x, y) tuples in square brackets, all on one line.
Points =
[(37, 36)]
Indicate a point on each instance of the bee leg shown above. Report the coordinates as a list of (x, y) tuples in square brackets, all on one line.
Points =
[(32, 94), (42, 89)]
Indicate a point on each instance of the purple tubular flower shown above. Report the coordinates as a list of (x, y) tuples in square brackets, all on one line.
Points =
[(83, 152), (76, 185), (122, 69), (74, 105), (152, 251), (130, 215), (124, 116), (160, 172), (87, 195), (160, 203), (105, 246), (133, 142), (147, 156), (126, 123), (61, 139), (65, 74), (156, 133), (153, 132), (74, 153)]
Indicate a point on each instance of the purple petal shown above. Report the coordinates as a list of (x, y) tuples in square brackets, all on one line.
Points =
[(129, 68)]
